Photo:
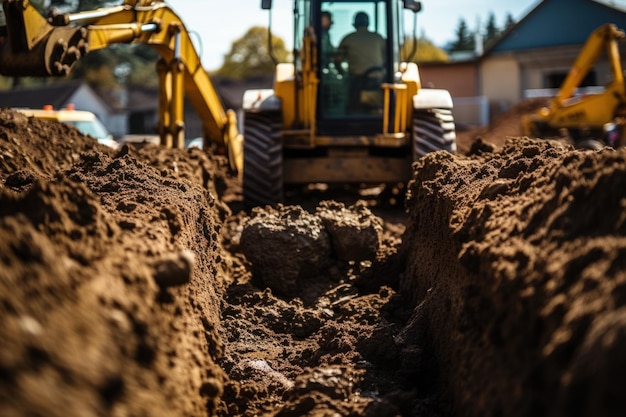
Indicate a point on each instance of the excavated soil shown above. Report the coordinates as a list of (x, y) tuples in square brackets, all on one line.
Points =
[(134, 283)]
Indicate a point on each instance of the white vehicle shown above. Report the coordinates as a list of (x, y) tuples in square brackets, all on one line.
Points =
[(195, 143), (85, 121)]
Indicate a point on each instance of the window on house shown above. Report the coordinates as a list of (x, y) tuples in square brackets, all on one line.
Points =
[(556, 79)]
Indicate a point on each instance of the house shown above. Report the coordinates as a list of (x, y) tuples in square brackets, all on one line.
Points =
[(538, 52), (532, 57), (62, 94), (140, 104), (461, 78), (122, 111)]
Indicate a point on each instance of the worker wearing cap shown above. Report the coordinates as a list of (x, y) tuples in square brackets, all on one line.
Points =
[(362, 49), (364, 52), (327, 48)]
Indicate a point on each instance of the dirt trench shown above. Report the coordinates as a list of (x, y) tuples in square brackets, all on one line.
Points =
[(133, 283)]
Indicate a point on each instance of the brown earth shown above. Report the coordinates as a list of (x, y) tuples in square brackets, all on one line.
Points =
[(133, 283)]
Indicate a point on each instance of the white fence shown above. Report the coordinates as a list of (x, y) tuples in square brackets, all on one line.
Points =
[(551, 92), (471, 111)]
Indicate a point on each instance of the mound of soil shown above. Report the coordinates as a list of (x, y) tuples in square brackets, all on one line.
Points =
[(507, 125), (133, 283), (526, 315)]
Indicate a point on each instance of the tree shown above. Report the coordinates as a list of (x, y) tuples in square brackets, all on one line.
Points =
[(119, 64), (425, 51), (491, 29), (464, 38), (249, 55), (509, 21)]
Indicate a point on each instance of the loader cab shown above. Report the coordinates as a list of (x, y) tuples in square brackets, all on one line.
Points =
[(351, 64), (353, 58), (318, 125)]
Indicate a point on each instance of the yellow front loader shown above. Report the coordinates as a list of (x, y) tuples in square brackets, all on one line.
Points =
[(32, 45), (325, 123)]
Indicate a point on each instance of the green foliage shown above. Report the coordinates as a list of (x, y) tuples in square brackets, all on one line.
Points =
[(464, 40), (425, 51), (119, 64), (491, 28), (509, 21), (5, 83), (249, 55)]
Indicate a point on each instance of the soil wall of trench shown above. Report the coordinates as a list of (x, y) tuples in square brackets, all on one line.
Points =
[(119, 296), (516, 263), (108, 288)]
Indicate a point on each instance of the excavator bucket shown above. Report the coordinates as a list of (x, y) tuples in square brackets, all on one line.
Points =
[(33, 47)]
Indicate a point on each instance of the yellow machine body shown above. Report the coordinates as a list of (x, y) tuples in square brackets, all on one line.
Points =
[(36, 46), (324, 122), (598, 118)]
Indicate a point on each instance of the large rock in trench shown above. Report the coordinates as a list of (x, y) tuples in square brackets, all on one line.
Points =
[(287, 246), (355, 233), (284, 246)]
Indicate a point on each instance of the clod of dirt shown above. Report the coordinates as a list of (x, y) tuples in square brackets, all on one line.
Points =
[(354, 231), (285, 245), (324, 391), (174, 270), (288, 245)]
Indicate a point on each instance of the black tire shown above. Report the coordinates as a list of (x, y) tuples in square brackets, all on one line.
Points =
[(590, 144), (262, 159), (433, 130)]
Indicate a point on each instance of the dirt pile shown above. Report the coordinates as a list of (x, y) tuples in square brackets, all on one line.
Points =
[(132, 283), (527, 315), (298, 246), (108, 301), (504, 126)]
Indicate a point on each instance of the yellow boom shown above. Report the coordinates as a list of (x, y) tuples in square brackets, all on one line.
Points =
[(36, 46)]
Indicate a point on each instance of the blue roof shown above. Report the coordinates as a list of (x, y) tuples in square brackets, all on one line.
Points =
[(559, 23)]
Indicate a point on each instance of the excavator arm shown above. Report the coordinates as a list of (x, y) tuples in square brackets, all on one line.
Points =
[(36, 46), (603, 39), (591, 113)]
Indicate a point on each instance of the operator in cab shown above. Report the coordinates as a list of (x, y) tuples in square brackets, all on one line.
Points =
[(327, 48), (364, 52)]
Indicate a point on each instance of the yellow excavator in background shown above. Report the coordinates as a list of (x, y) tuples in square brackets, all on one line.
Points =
[(38, 46), (591, 121)]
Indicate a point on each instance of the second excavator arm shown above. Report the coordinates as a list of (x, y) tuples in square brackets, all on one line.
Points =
[(603, 39)]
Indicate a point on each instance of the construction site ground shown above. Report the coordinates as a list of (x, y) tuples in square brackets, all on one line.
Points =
[(134, 282)]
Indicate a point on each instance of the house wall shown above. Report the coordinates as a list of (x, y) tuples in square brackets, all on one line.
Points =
[(538, 64), (460, 79), (84, 98), (500, 81), (117, 124)]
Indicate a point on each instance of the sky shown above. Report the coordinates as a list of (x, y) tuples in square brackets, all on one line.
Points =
[(215, 24)]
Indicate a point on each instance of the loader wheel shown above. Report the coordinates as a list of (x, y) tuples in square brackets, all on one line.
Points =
[(590, 144), (262, 159), (433, 130)]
